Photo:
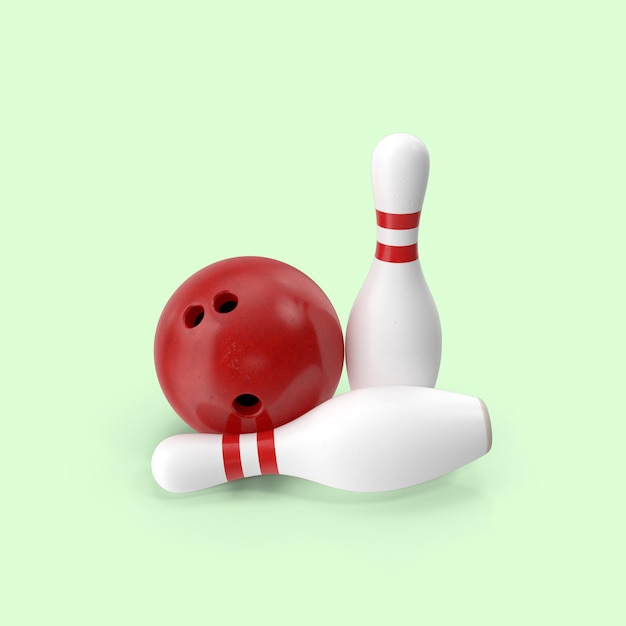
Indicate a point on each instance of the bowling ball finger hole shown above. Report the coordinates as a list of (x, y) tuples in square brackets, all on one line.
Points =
[(225, 302), (247, 405), (193, 315)]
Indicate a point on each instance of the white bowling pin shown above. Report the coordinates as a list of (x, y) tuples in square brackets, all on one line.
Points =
[(374, 439), (393, 335)]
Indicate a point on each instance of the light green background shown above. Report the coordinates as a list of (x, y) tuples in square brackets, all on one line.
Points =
[(143, 140)]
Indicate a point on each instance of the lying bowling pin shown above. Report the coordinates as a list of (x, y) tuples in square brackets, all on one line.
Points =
[(374, 439), (393, 335)]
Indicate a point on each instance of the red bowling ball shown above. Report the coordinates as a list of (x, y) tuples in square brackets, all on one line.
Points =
[(247, 344)]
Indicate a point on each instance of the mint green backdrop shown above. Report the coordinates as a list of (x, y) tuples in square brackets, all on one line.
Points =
[(141, 141)]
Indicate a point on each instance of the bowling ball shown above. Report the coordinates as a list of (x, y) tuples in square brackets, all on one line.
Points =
[(247, 344)]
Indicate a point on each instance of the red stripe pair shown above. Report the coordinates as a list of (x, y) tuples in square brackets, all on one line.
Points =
[(397, 221), (232, 454)]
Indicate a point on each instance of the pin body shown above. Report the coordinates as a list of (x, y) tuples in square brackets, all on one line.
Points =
[(393, 335), (375, 439)]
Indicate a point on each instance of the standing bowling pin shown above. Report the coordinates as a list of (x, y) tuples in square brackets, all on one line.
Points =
[(394, 334), (375, 439)]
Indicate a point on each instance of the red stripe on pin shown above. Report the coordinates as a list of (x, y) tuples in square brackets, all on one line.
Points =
[(396, 254), (232, 457), (267, 452), (398, 221)]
